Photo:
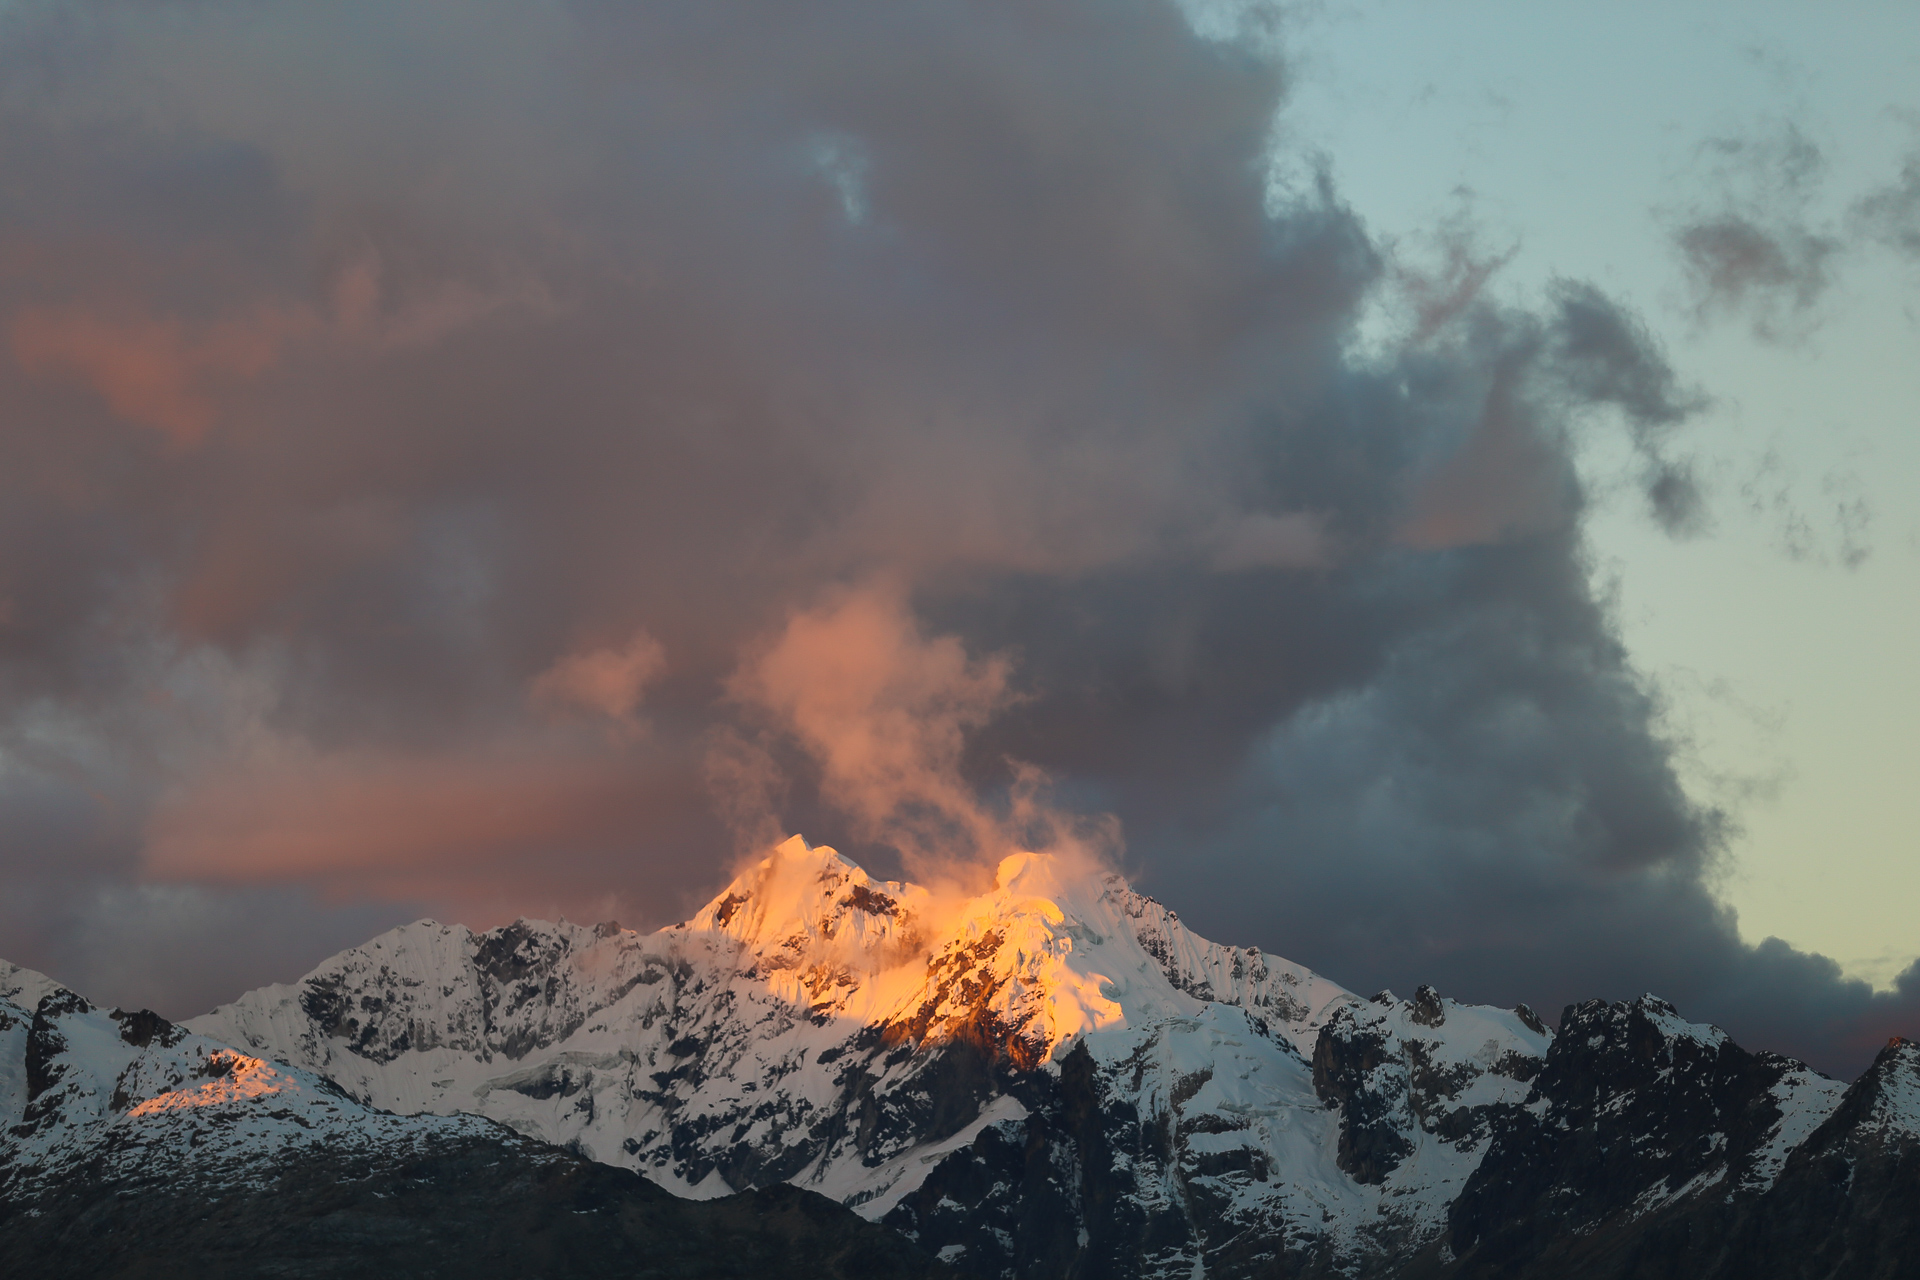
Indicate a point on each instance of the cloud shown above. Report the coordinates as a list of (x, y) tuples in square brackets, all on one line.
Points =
[(183, 949), (606, 681), (1473, 813), (886, 710), (1891, 215), (864, 402), (395, 825), (1750, 252), (1772, 490), (1737, 267), (1535, 379), (1438, 295), (1258, 540), (883, 713), (1754, 251), (151, 371)]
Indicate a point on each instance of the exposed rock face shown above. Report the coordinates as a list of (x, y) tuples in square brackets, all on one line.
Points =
[(1394, 1075), (1352, 1070), (1054, 1079), (129, 1098)]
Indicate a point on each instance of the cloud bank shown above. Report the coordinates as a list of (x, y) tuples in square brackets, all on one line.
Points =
[(503, 459)]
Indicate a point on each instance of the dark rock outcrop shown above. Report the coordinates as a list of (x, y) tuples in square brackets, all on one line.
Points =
[(1351, 1071)]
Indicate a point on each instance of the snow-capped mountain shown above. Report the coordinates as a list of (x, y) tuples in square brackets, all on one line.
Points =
[(1055, 1078), (851, 1036), (1644, 1131), (810, 1024), (1193, 1105)]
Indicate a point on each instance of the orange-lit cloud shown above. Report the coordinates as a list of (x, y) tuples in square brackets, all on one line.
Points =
[(885, 710), (155, 371), (167, 373), (605, 681), (370, 306), (390, 824)]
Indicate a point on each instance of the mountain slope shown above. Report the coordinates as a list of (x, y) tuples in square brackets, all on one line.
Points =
[(129, 1145)]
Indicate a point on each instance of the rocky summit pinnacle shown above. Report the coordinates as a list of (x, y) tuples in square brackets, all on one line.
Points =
[(1051, 1077)]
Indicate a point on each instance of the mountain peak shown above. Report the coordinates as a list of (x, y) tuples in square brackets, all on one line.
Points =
[(1894, 1079), (24, 987), (806, 906)]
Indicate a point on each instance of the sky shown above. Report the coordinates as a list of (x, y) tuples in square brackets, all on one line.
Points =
[(1420, 490), (1674, 117)]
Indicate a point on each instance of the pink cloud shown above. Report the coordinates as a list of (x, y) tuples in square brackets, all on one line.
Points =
[(391, 825), (605, 681), (155, 371)]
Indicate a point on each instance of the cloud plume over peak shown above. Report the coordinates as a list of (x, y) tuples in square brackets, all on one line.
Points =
[(884, 711), (504, 459)]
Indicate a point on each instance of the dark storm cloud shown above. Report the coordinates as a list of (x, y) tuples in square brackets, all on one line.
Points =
[(445, 446), (1486, 807), (1606, 357)]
